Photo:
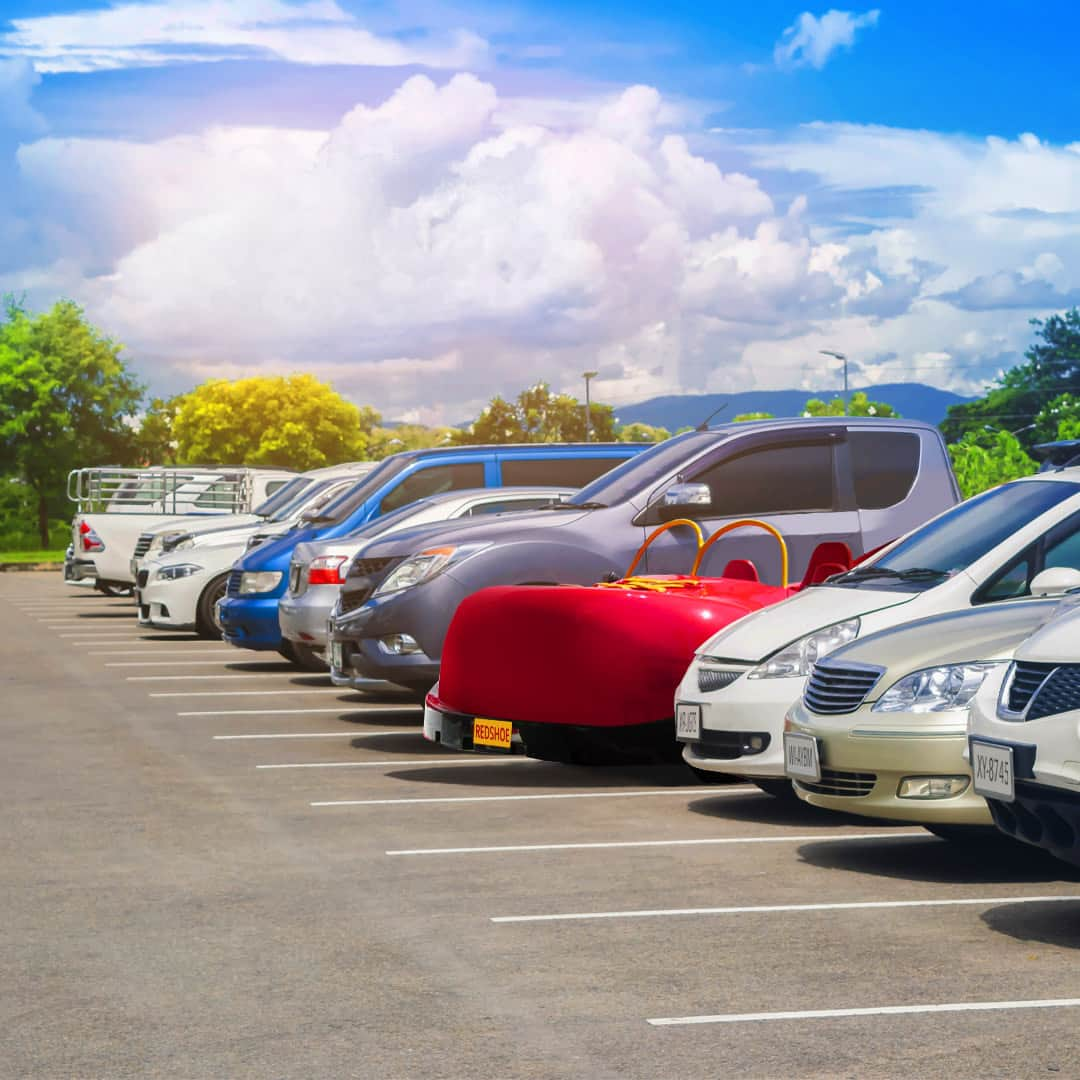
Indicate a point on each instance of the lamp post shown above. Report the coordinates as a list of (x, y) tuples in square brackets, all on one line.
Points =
[(587, 375), (839, 356)]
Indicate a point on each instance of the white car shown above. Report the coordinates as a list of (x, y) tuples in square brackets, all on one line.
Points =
[(1017, 540), (319, 568), (1024, 740), (180, 588)]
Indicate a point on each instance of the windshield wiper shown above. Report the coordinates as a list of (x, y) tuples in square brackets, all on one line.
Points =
[(916, 573), (578, 506)]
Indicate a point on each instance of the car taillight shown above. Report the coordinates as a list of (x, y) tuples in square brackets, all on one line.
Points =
[(326, 570), (88, 539)]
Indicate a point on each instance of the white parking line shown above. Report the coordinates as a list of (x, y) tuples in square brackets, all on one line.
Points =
[(772, 909), (409, 761), (111, 638), (319, 735), (880, 1010), (235, 677), (204, 663), (796, 839), (344, 708), (683, 792), (248, 693), (168, 651)]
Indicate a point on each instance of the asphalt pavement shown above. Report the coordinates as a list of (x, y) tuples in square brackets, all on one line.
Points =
[(215, 866)]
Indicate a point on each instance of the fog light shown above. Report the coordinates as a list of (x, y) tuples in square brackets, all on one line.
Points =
[(932, 787), (756, 742), (400, 644)]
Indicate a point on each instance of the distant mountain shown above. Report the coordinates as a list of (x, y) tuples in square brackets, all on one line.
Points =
[(913, 401)]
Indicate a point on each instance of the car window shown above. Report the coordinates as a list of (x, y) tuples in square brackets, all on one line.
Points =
[(884, 464), (275, 485), (283, 496), (433, 481), (1063, 547), (505, 505), (220, 495), (1012, 581), (771, 480), (1059, 547), (563, 471)]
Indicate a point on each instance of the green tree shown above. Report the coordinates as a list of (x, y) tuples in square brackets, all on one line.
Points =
[(385, 441), (639, 432), (858, 405), (985, 458), (289, 421), (1018, 396), (538, 415), (1059, 419), (65, 400), (155, 443), (744, 416)]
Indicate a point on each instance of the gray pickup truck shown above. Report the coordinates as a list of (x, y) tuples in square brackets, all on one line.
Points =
[(857, 480)]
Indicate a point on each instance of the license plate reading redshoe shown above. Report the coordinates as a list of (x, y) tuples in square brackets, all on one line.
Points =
[(495, 734), (688, 722), (992, 770), (801, 758)]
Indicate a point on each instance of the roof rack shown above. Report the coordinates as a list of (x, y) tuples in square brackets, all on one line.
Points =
[(165, 490)]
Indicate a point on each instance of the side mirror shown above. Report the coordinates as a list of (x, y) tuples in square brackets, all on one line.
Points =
[(685, 495), (1056, 581)]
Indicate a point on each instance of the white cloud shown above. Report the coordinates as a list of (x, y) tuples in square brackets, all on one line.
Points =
[(811, 40), (189, 31)]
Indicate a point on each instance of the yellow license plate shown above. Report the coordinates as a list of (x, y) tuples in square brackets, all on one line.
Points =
[(494, 733)]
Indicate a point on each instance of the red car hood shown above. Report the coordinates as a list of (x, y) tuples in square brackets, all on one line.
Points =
[(596, 656)]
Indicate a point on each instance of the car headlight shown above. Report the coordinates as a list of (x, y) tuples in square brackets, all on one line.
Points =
[(424, 566), (259, 581), (177, 541), (174, 573), (935, 689), (800, 656)]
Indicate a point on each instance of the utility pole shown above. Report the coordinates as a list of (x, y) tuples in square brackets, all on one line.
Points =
[(839, 356), (588, 404)]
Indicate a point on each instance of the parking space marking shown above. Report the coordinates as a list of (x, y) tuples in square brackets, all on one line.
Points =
[(318, 735), (345, 708), (464, 760), (772, 909), (880, 1010), (793, 839), (683, 792), (220, 659), (249, 693), (167, 651), (235, 677)]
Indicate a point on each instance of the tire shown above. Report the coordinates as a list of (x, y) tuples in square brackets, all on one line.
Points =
[(306, 657), (778, 789), (206, 624)]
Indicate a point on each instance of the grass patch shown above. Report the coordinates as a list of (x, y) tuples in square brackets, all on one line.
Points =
[(31, 556)]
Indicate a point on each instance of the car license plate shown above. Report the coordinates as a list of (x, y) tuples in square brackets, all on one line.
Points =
[(337, 655), (687, 722), (992, 770), (801, 758), (493, 733)]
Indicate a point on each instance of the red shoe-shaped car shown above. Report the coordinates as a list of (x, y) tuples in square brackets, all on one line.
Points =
[(588, 674)]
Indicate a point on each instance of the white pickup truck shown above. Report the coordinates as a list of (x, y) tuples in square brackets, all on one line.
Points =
[(115, 506)]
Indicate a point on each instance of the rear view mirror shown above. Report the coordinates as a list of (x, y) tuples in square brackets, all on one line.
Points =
[(687, 495), (1055, 581)]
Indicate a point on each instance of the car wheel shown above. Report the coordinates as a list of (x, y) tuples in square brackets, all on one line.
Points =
[(778, 789), (206, 621)]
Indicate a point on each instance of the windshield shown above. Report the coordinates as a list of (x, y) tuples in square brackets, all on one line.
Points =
[(282, 497), (969, 530), (640, 472), (361, 491), (394, 518)]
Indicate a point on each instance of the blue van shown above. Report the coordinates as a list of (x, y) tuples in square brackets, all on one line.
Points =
[(249, 610)]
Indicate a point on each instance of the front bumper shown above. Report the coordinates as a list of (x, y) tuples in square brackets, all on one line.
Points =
[(732, 716), (170, 605), (865, 756), (303, 618), (250, 622)]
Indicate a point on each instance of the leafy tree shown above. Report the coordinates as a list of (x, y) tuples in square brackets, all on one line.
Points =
[(985, 458), (538, 415), (290, 421), (154, 441), (1060, 419), (1021, 393), (743, 416), (385, 441), (65, 398), (646, 433), (858, 405)]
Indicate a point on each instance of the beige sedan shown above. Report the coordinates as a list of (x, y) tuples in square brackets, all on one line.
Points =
[(881, 729)]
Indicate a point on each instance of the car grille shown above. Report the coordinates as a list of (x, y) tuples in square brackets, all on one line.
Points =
[(364, 576), (835, 689), (142, 545), (834, 782), (370, 568), (142, 578), (1026, 679), (233, 588), (1057, 694), (710, 679), (353, 599)]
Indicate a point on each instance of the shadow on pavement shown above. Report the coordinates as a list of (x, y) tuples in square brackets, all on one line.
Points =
[(761, 809), (410, 743), (1055, 923), (260, 667), (942, 861), (500, 772), (405, 716), (123, 613)]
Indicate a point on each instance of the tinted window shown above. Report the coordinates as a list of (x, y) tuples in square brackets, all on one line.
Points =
[(221, 495), (564, 472), (283, 496), (1063, 546), (772, 480), (432, 481), (971, 529), (505, 505), (884, 464), (355, 497), (1060, 547), (275, 485)]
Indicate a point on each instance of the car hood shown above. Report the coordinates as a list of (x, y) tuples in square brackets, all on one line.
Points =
[(217, 537), (760, 634), (1056, 642), (202, 526), (312, 549), (984, 633)]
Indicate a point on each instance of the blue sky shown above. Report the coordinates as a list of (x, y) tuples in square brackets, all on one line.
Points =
[(420, 201)]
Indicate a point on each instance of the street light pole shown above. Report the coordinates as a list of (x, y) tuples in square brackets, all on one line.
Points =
[(839, 356), (588, 404)]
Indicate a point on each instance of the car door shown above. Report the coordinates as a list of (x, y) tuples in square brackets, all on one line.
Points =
[(797, 482)]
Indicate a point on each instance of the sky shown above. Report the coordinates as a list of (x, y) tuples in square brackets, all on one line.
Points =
[(427, 204)]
